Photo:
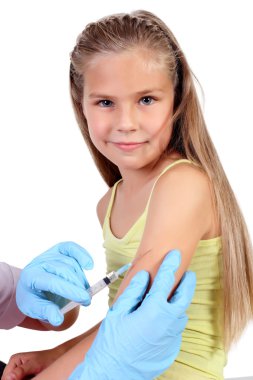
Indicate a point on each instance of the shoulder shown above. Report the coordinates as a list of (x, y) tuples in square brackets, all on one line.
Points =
[(102, 206), (184, 179), (185, 193)]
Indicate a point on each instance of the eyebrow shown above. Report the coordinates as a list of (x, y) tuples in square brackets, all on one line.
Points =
[(139, 93)]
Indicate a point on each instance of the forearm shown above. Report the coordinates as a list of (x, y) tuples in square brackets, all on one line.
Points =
[(83, 337), (74, 353)]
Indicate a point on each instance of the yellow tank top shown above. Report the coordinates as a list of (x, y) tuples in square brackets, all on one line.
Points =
[(202, 354)]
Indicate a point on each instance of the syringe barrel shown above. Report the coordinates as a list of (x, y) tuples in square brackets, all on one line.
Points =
[(94, 289)]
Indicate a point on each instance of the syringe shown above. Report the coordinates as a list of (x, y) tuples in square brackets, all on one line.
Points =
[(98, 286)]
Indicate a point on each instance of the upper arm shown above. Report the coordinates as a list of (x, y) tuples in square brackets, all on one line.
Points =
[(178, 217), (102, 206)]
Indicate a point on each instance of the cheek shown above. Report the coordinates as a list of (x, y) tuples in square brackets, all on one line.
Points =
[(95, 124), (98, 132), (161, 133), (94, 132), (161, 126)]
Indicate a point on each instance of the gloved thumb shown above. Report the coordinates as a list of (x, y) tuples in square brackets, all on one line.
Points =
[(54, 315), (184, 293), (47, 312), (164, 279), (133, 294)]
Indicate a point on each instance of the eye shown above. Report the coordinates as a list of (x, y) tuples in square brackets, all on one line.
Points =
[(105, 103), (147, 100)]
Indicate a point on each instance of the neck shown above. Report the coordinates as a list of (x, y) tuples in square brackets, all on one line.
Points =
[(134, 180)]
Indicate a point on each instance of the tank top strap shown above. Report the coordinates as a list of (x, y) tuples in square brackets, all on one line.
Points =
[(183, 160), (114, 188), (109, 207)]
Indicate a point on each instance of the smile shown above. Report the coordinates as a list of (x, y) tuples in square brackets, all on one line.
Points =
[(128, 146)]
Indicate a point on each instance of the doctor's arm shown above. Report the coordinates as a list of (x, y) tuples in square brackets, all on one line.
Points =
[(45, 285)]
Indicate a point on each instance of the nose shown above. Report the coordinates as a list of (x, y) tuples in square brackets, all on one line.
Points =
[(126, 120)]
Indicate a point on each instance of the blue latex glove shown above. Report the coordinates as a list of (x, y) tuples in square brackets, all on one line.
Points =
[(139, 343), (48, 282)]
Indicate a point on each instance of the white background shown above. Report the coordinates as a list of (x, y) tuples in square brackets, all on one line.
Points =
[(49, 184)]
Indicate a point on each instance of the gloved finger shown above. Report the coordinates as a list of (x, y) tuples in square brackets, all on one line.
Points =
[(78, 253), (57, 285), (133, 294), (183, 295), (56, 259), (67, 272), (61, 265), (164, 279)]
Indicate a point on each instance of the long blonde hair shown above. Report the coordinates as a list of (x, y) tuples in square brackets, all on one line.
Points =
[(190, 138)]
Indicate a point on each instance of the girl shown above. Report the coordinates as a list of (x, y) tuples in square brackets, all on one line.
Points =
[(136, 105)]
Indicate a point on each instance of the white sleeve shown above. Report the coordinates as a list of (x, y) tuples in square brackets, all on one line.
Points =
[(10, 315)]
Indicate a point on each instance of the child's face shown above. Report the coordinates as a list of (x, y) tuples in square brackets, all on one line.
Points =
[(128, 105)]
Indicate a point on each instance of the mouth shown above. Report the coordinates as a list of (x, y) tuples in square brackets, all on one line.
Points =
[(128, 146)]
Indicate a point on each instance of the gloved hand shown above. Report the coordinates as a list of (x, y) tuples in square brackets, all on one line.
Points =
[(139, 343), (48, 282)]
